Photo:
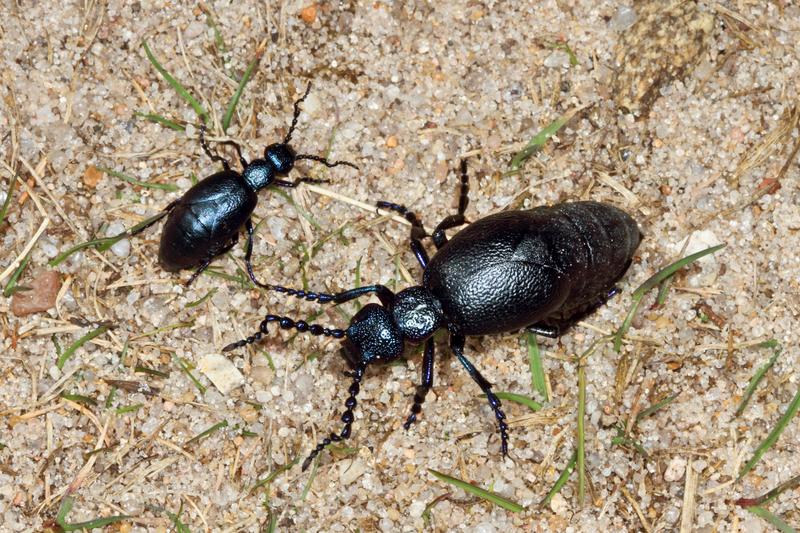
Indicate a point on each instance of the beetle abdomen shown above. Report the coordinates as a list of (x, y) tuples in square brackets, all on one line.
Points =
[(515, 268), (205, 221)]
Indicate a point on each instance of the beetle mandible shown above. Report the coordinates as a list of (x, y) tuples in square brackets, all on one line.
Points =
[(204, 223), (540, 269)]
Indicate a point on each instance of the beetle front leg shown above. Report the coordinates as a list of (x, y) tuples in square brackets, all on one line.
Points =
[(457, 345), (425, 385)]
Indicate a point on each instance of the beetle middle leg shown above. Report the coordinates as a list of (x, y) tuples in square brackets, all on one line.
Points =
[(439, 237), (425, 386), (417, 230), (457, 345)]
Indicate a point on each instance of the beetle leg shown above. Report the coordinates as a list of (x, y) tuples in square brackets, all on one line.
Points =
[(425, 386), (417, 230), (551, 332), (554, 327), (214, 157), (457, 345), (238, 149), (298, 181), (347, 416), (208, 260), (249, 253), (200, 269), (439, 237)]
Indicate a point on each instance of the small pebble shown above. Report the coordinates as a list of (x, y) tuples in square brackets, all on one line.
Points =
[(92, 176), (41, 296), (624, 18), (121, 248), (351, 470), (221, 372), (557, 59), (309, 14)]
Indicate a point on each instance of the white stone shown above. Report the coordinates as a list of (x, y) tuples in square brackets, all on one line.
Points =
[(221, 372), (351, 470), (675, 469)]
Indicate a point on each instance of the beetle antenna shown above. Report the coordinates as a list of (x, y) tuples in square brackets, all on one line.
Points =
[(347, 416), (296, 114), (285, 323), (325, 162)]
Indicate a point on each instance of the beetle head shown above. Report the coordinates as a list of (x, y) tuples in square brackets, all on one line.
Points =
[(373, 336), (281, 157)]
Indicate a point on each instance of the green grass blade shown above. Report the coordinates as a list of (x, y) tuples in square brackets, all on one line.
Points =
[(773, 519), (171, 187), (205, 297), (66, 507), (771, 495), (479, 492), (540, 139), (12, 281), (656, 406), (533, 405), (305, 214), (274, 474), (561, 481), (158, 119), (538, 379), (672, 268), (185, 367), (581, 430), (198, 108), (757, 377), (104, 243), (654, 281), (773, 436), (248, 73), (9, 195), (573, 59), (66, 354), (206, 433)]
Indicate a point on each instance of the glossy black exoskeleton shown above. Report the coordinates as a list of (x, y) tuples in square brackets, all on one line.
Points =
[(206, 220), (540, 269)]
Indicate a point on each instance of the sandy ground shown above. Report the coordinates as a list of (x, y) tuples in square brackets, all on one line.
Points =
[(691, 129)]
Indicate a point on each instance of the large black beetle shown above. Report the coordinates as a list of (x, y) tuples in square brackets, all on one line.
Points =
[(540, 269)]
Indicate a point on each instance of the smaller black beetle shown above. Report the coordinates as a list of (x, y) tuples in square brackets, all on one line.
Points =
[(205, 221), (540, 269)]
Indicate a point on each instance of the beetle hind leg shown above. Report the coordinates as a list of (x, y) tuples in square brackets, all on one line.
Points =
[(555, 326), (425, 386), (457, 345), (417, 230), (208, 260)]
